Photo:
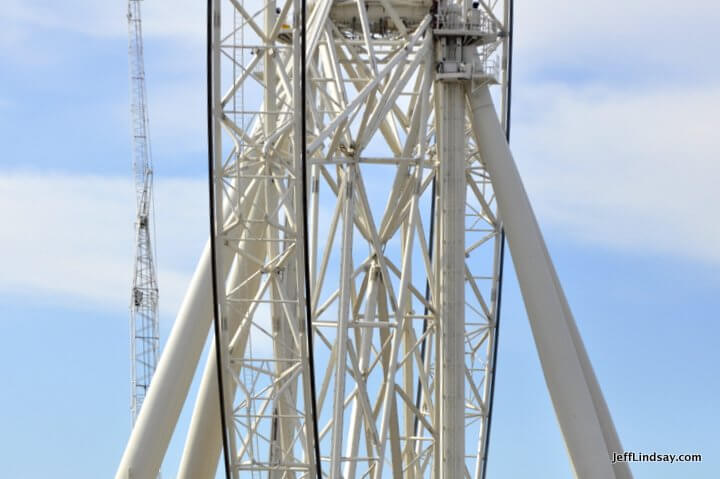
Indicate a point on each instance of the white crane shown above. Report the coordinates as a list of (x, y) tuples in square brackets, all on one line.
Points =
[(361, 181), (144, 328)]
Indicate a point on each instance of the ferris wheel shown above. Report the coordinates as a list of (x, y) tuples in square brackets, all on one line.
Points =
[(361, 190)]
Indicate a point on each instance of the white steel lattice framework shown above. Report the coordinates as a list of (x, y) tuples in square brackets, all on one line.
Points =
[(408, 176)]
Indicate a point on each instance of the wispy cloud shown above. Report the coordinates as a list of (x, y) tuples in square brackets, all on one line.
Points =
[(70, 238), (628, 169), (612, 38), (29, 30), (176, 18)]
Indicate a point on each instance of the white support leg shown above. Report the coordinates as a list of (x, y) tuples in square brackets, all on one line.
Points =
[(155, 424), (584, 419), (202, 447)]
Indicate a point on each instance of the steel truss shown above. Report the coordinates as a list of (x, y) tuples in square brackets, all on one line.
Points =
[(373, 99), (144, 318), (408, 173)]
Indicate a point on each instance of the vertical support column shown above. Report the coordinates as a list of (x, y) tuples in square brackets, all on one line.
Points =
[(450, 117), (283, 423), (346, 270)]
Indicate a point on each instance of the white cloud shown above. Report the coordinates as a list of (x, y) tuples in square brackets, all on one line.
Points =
[(70, 238), (631, 169), (165, 18), (611, 37), (28, 27)]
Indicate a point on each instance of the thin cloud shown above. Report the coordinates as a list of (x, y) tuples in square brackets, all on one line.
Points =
[(642, 40), (70, 238), (632, 170), (179, 18)]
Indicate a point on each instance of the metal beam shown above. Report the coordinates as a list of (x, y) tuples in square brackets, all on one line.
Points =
[(584, 419), (450, 122)]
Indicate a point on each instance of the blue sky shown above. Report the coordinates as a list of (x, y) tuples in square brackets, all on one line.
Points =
[(614, 132)]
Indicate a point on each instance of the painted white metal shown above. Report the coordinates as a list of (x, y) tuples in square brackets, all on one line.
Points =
[(203, 444), (586, 425), (377, 16), (452, 185), (157, 419), (403, 378), (266, 394), (144, 320)]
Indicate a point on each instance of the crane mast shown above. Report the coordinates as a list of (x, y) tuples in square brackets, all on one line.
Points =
[(144, 329)]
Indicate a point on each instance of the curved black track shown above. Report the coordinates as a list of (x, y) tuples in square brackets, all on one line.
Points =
[(211, 193), (213, 262), (308, 308), (508, 96)]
